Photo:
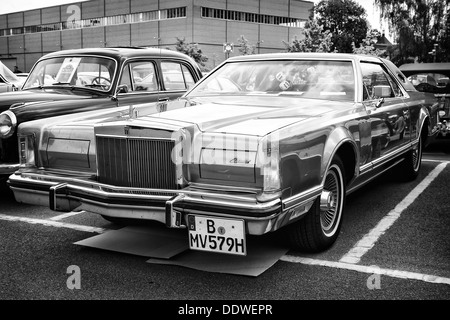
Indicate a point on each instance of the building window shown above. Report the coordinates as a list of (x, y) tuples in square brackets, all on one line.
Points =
[(172, 13), (251, 17)]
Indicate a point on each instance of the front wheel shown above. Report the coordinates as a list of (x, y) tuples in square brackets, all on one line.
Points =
[(319, 229)]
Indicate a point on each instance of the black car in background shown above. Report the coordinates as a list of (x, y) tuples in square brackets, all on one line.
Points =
[(78, 80), (433, 78)]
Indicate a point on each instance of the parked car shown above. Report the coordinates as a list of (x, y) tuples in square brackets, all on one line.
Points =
[(22, 75), (79, 80), (433, 78), (8, 80), (265, 143)]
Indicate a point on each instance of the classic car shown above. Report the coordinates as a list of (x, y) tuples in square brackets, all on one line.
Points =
[(264, 143), (79, 80), (433, 78), (8, 80)]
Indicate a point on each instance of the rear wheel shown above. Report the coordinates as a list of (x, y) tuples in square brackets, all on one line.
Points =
[(410, 167), (319, 229)]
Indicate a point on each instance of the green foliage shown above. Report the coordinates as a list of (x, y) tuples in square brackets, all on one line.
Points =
[(367, 46), (192, 50), (345, 20), (418, 25), (245, 48), (315, 40)]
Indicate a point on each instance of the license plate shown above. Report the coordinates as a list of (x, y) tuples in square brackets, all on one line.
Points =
[(217, 235)]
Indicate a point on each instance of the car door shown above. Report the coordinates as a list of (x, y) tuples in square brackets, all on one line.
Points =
[(154, 81), (389, 114), (176, 78), (139, 82)]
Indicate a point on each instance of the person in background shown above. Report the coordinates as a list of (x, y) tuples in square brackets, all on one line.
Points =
[(17, 70)]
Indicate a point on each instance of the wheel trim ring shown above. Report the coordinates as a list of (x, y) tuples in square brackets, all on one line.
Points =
[(416, 155), (329, 219)]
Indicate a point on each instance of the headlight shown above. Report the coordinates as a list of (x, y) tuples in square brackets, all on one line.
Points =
[(26, 150), (8, 123)]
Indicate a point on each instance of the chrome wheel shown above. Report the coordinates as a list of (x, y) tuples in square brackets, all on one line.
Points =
[(319, 229), (410, 167), (417, 155), (334, 185)]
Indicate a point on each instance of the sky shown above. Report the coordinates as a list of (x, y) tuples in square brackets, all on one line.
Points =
[(8, 6)]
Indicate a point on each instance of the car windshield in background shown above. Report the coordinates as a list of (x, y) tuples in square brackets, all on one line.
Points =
[(328, 80), (430, 82), (90, 72)]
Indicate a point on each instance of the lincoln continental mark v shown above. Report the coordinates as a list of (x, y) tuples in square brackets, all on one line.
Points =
[(263, 143)]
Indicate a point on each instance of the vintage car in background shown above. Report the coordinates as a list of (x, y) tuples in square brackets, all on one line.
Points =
[(8, 80), (264, 143), (433, 78), (87, 79)]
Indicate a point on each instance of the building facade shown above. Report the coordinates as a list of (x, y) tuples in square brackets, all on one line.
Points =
[(265, 24)]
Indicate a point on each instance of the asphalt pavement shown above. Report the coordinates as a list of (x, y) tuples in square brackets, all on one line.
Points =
[(394, 245)]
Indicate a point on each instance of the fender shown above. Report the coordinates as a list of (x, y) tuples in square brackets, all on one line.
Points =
[(423, 116), (339, 137)]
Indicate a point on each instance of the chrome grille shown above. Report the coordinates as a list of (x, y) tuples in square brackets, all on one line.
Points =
[(133, 162)]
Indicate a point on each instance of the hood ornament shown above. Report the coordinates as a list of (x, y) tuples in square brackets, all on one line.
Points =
[(133, 112)]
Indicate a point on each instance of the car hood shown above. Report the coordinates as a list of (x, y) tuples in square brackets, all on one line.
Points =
[(247, 116), (40, 95), (242, 115)]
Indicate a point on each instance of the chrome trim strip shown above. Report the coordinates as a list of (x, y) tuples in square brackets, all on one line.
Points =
[(132, 137), (100, 189), (301, 198), (373, 177), (388, 157), (365, 168), (9, 168)]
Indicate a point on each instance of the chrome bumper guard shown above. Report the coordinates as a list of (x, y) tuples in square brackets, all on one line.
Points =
[(167, 206)]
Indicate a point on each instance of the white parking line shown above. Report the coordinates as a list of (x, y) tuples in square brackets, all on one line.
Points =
[(53, 223), (286, 258), (434, 160), (369, 240), (370, 270), (65, 215)]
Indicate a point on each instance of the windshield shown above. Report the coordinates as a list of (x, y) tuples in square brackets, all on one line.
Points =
[(330, 80), (91, 72)]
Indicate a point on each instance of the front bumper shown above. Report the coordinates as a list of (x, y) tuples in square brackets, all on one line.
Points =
[(170, 207)]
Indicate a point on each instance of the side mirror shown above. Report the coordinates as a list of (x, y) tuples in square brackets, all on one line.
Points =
[(123, 88), (382, 91)]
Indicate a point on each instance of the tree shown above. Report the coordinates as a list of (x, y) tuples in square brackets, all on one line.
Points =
[(367, 46), (192, 50), (315, 40), (245, 48), (418, 25), (346, 21)]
